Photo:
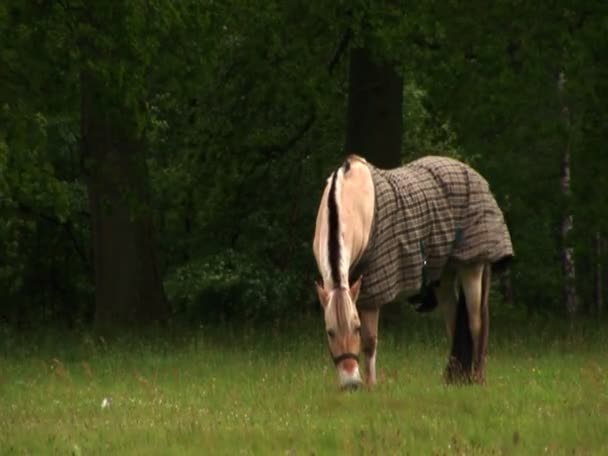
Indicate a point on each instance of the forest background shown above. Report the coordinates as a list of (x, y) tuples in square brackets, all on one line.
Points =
[(163, 161)]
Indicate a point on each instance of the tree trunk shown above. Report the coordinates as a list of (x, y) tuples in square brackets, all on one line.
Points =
[(567, 222), (599, 279), (375, 98), (128, 287)]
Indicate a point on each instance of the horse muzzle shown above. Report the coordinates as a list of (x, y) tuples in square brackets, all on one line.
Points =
[(347, 365), (345, 356)]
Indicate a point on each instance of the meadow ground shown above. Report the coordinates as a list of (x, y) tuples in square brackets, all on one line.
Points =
[(270, 391)]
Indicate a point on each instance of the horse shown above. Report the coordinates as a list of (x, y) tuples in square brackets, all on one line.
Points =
[(430, 230)]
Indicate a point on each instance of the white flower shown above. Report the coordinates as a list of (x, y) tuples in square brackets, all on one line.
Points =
[(105, 403)]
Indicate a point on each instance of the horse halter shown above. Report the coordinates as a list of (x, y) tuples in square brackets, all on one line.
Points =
[(343, 356)]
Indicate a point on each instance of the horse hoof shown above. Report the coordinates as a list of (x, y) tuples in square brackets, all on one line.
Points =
[(352, 386)]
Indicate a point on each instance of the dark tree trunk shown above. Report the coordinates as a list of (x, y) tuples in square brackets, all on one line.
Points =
[(128, 287), (375, 98)]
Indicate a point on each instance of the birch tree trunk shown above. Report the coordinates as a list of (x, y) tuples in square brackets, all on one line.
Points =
[(567, 221), (599, 274)]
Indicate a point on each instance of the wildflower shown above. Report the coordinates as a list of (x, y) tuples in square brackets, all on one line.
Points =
[(105, 403)]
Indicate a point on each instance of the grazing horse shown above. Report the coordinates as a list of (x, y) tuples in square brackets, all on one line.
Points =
[(430, 230)]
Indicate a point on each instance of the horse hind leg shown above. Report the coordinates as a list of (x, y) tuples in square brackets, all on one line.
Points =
[(460, 362), (472, 324), (452, 303)]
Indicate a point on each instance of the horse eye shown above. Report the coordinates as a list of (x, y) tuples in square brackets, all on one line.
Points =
[(331, 333)]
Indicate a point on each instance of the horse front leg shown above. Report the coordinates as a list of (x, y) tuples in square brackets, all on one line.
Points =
[(369, 341)]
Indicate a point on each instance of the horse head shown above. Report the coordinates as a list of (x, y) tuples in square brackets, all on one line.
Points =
[(343, 329)]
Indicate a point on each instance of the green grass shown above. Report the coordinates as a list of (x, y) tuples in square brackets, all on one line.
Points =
[(275, 392)]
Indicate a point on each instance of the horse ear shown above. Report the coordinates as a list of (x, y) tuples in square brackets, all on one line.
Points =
[(355, 288), (323, 295)]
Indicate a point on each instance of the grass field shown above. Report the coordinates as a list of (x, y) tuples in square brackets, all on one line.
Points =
[(235, 391)]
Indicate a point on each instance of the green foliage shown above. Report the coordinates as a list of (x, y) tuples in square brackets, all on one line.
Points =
[(231, 286), (424, 133), (44, 261)]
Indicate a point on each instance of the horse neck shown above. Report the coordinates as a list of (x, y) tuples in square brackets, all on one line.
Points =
[(355, 191), (358, 203)]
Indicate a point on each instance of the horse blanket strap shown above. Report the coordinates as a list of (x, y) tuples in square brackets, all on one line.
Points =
[(436, 203), (342, 357), (425, 300)]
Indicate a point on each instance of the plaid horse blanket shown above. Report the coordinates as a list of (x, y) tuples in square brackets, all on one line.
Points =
[(428, 212)]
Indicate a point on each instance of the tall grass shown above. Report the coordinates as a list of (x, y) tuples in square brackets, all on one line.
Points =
[(273, 391)]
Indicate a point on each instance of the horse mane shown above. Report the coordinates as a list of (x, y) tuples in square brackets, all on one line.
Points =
[(333, 233), (341, 304), (355, 157), (338, 266)]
